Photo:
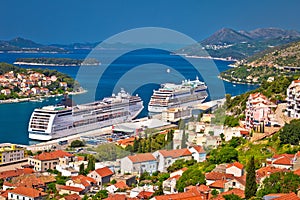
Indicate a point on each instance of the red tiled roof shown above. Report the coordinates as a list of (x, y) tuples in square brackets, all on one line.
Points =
[(14, 173), (244, 132), (145, 195), (181, 196), (126, 141), (52, 155), (80, 158), (290, 196), (234, 191), (176, 153), (297, 172), (72, 197), (284, 160), (176, 177), (291, 156), (143, 157), (84, 180), (105, 171), (28, 192), (202, 188), (4, 193), (199, 149), (265, 171), (121, 185), (235, 164), (71, 188), (218, 176), (218, 184), (241, 180), (119, 197)]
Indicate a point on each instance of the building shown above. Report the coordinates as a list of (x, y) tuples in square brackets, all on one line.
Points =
[(12, 153), (293, 100), (139, 163), (258, 110), (175, 114), (6, 92), (9, 174), (63, 189), (26, 193), (101, 175), (282, 161), (198, 153), (48, 160), (81, 181), (166, 158), (236, 169)]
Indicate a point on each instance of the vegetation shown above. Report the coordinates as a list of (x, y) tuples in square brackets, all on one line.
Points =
[(232, 197), (289, 134), (251, 187), (226, 154), (280, 182), (58, 61), (192, 176), (77, 143), (179, 164), (109, 152)]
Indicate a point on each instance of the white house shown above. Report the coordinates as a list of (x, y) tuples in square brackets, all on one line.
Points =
[(139, 163), (168, 157), (236, 182), (236, 169), (198, 153)]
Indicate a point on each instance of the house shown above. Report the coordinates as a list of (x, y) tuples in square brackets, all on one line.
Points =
[(81, 181), (281, 196), (283, 161), (236, 182), (218, 185), (125, 142), (63, 84), (26, 194), (139, 163), (202, 189), (212, 177), (167, 157), (236, 169), (121, 186), (101, 175), (198, 153), (293, 100), (11, 153), (9, 174), (36, 181), (193, 194), (48, 160), (264, 172), (144, 195), (238, 192), (64, 189), (169, 185), (6, 92), (71, 197), (36, 90), (127, 179)]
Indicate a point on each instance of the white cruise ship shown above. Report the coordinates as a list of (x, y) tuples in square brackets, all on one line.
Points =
[(51, 122), (171, 95)]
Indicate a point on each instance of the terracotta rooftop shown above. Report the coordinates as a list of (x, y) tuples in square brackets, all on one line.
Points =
[(235, 191), (297, 172), (143, 157), (72, 197), (31, 180), (84, 180), (145, 195), (126, 141), (52, 155), (182, 196), (235, 164), (119, 197), (105, 171), (14, 173), (202, 188), (4, 194), (199, 149), (218, 176), (176, 153), (28, 192), (283, 159), (121, 185), (218, 184), (266, 171), (289, 196), (71, 188), (176, 177)]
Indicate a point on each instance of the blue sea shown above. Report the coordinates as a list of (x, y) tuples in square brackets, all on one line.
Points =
[(138, 72)]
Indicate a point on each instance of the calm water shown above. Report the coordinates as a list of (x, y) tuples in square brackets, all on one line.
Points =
[(14, 118)]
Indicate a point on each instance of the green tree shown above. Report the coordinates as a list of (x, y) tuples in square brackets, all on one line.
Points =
[(183, 140), (224, 154), (181, 124), (91, 163), (279, 182), (251, 187), (77, 143), (102, 194), (289, 134), (135, 145), (81, 169), (200, 115), (192, 176), (232, 197)]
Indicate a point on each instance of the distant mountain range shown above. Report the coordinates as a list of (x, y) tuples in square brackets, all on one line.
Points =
[(227, 42)]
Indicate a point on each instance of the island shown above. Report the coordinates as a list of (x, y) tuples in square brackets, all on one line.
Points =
[(19, 84), (57, 61)]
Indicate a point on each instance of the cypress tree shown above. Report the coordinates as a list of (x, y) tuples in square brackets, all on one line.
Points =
[(81, 168), (183, 140), (251, 186), (135, 145)]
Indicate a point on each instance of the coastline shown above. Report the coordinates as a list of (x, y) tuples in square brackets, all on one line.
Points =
[(38, 98), (224, 79), (53, 65), (205, 57)]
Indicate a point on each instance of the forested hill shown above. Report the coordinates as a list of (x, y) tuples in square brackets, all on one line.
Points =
[(286, 55)]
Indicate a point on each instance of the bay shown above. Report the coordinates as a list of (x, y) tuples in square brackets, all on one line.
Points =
[(14, 118)]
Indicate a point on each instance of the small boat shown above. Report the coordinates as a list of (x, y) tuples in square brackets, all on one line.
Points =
[(234, 85)]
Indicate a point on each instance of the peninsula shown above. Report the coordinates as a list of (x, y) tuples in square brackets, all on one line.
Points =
[(57, 61)]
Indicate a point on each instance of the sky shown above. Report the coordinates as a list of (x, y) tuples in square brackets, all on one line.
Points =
[(69, 21)]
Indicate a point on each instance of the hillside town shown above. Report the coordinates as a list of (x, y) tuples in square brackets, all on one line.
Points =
[(182, 157)]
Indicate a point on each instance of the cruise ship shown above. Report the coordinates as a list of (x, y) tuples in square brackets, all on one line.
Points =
[(171, 95), (52, 122)]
